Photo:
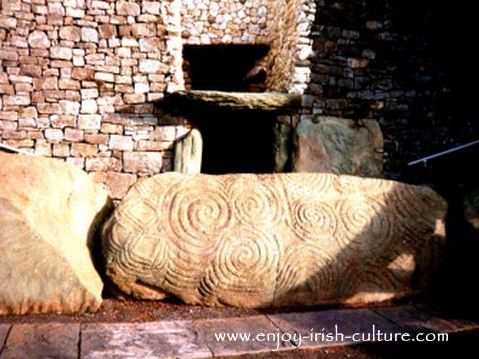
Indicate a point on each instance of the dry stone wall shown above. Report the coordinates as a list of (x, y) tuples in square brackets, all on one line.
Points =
[(291, 46), (226, 21), (79, 80), (396, 62)]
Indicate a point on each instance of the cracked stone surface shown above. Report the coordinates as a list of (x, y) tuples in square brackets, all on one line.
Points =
[(48, 340)]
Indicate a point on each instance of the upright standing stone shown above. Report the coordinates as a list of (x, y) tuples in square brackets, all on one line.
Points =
[(340, 146), (189, 152), (49, 212)]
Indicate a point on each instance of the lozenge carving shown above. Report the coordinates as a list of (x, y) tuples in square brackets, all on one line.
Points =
[(274, 240)]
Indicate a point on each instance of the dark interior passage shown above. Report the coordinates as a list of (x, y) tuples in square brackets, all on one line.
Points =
[(237, 142), (225, 67)]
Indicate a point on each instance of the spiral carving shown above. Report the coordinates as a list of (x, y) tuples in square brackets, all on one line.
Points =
[(254, 201), (296, 274), (197, 212), (363, 223), (314, 219), (246, 261), (408, 205), (257, 241)]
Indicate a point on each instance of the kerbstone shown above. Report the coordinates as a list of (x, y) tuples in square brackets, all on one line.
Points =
[(273, 240)]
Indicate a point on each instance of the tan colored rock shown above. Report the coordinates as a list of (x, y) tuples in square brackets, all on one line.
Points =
[(119, 183), (71, 33), (6, 89), (107, 31), (8, 55), (132, 98), (68, 84), (127, 8), (48, 215), (142, 162), (274, 240), (340, 146), (143, 30), (49, 108), (62, 53), (84, 150), (83, 74), (31, 70), (38, 39)]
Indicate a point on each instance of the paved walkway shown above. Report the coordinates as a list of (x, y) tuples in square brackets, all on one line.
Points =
[(196, 339)]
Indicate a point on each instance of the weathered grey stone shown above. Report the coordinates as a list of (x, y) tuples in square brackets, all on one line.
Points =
[(340, 146), (253, 325), (282, 147), (471, 208), (268, 101), (48, 214), (188, 153), (274, 240), (325, 321), (142, 340)]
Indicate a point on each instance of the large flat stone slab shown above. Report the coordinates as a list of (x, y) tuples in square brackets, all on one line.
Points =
[(264, 101), (49, 212), (4, 330), (258, 335), (274, 240), (427, 319), (237, 336), (146, 340), (42, 341), (333, 327)]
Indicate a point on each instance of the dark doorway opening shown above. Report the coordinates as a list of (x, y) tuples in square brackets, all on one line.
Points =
[(237, 142), (225, 67)]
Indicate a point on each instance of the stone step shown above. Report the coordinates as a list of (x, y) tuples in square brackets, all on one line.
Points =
[(201, 338)]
